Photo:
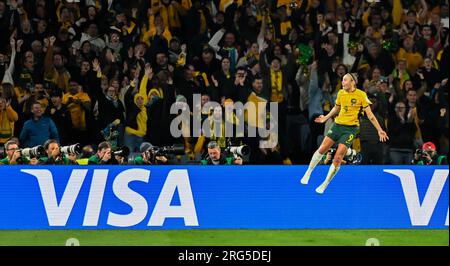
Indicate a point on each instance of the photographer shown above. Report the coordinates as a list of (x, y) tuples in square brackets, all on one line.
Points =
[(428, 156), (216, 157), (54, 155), (148, 156), (14, 155), (103, 155), (351, 157)]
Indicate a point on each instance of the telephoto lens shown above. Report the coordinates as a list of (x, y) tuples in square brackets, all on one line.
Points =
[(122, 152), (35, 152), (72, 149), (240, 150)]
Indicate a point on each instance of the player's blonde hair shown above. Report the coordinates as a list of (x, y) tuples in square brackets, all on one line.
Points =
[(354, 78)]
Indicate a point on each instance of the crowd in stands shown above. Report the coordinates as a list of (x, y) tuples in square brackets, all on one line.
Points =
[(90, 71)]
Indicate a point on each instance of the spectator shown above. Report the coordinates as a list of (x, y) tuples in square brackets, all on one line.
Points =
[(402, 130), (59, 113), (7, 119), (110, 107), (54, 66), (38, 129), (136, 118), (413, 58), (79, 105)]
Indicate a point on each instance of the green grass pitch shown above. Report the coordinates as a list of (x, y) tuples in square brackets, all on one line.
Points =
[(418, 237)]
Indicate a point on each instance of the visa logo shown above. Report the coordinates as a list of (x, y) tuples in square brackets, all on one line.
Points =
[(58, 213), (420, 213)]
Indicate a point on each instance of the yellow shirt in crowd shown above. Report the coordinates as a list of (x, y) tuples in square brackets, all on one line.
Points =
[(77, 113)]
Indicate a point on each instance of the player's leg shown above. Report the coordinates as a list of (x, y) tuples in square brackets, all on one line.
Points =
[(334, 167), (327, 143)]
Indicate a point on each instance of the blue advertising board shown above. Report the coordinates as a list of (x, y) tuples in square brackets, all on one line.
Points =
[(207, 197)]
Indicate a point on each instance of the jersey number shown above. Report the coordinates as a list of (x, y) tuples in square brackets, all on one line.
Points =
[(350, 138)]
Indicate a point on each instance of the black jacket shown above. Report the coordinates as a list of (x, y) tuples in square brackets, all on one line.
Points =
[(401, 135)]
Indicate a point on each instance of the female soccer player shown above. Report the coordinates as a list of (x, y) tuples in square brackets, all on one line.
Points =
[(349, 103)]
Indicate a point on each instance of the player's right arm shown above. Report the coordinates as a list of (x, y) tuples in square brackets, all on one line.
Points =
[(333, 112)]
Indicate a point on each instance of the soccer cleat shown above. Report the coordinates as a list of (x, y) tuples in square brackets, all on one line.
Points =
[(305, 179), (320, 189)]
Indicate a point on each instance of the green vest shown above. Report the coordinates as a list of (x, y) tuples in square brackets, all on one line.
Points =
[(5, 161), (94, 159), (228, 161), (138, 160), (44, 160), (439, 160)]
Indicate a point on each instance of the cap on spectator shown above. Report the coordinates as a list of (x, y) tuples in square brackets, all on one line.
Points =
[(145, 146), (428, 146), (72, 1)]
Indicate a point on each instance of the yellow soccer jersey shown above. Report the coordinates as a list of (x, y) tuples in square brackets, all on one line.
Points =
[(351, 103)]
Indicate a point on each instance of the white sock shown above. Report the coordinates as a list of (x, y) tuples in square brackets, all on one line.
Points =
[(331, 173), (316, 158)]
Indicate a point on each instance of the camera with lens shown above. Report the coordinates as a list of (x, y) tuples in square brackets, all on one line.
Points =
[(419, 152), (123, 152), (422, 154), (2, 152), (351, 157), (153, 151), (72, 149), (168, 150), (35, 152), (238, 151)]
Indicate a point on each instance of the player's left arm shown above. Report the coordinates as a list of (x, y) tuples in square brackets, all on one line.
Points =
[(381, 133)]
